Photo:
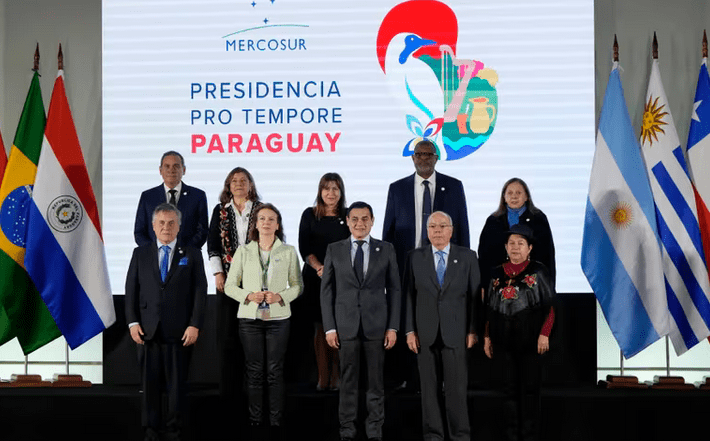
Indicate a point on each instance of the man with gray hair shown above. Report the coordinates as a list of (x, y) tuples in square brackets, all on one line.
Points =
[(166, 289), (440, 284)]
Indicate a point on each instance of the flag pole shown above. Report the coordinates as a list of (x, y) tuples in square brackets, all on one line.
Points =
[(615, 58), (35, 68), (60, 66)]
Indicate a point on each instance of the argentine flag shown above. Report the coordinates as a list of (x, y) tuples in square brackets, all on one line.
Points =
[(65, 251), (686, 276), (621, 254)]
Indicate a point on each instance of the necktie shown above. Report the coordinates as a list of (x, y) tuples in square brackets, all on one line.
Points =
[(440, 267), (426, 211), (172, 200), (164, 262), (359, 261)]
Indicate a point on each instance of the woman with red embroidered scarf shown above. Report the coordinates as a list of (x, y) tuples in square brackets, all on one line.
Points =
[(519, 318), (229, 229)]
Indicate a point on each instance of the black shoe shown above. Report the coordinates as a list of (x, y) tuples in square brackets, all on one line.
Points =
[(151, 435), (377, 438)]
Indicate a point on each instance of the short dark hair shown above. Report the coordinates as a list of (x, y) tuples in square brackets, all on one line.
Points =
[(165, 206), (360, 204), (427, 143), (172, 153), (254, 233)]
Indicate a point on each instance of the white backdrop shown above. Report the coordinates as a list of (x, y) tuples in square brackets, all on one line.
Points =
[(159, 56)]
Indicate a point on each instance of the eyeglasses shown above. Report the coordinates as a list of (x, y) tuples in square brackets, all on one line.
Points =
[(426, 155)]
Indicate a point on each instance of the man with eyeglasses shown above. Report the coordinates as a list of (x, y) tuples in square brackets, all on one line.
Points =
[(410, 201), (440, 283), (191, 202)]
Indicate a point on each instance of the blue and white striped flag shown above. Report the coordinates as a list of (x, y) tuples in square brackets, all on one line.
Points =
[(686, 277), (621, 253)]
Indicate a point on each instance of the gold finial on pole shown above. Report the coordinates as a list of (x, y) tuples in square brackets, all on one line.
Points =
[(705, 44), (655, 46)]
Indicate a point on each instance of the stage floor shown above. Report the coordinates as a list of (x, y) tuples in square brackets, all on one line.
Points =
[(106, 413)]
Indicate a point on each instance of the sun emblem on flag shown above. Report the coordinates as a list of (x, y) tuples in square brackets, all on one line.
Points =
[(622, 215), (652, 121)]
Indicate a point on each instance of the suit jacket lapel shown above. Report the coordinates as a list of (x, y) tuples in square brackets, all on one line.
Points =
[(451, 267), (374, 257), (440, 192), (177, 255)]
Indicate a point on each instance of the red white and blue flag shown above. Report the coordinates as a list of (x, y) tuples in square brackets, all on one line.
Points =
[(699, 153), (65, 251)]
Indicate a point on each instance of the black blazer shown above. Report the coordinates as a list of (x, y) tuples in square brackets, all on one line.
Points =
[(346, 303), (450, 308), (177, 303), (193, 206), (399, 226)]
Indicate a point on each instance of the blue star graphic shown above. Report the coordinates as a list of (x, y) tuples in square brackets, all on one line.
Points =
[(253, 4), (266, 20)]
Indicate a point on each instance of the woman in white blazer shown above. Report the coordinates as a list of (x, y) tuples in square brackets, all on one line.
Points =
[(265, 278)]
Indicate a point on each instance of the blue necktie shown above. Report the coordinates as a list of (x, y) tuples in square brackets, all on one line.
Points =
[(426, 211), (440, 267), (164, 262)]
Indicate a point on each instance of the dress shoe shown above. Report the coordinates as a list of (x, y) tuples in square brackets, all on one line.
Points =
[(151, 435), (377, 438)]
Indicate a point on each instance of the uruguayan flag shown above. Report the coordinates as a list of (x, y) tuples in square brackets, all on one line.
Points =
[(621, 254), (686, 277)]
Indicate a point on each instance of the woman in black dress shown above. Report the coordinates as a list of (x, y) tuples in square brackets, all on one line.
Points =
[(515, 208), (519, 318), (321, 225), (229, 229)]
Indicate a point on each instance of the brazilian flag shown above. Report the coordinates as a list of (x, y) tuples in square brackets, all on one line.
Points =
[(23, 313)]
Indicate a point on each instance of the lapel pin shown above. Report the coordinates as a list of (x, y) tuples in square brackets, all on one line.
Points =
[(377, 249), (341, 222), (443, 188), (456, 261), (184, 193), (180, 250)]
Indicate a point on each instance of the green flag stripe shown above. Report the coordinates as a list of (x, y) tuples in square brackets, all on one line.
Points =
[(30, 129)]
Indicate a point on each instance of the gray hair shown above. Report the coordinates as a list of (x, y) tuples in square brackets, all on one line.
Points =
[(169, 208), (443, 214)]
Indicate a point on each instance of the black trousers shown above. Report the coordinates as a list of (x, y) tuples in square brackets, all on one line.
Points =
[(522, 394), (350, 352), (437, 364), (264, 343), (165, 364)]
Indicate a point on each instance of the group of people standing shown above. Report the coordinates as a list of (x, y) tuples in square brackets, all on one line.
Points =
[(421, 284)]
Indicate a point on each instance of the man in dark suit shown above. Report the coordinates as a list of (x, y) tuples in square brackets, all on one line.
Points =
[(360, 302), (191, 202), (166, 289), (440, 283), (410, 201)]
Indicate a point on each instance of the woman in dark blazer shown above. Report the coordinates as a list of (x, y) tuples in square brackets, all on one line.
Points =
[(229, 229), (515, 207), (320, 226)]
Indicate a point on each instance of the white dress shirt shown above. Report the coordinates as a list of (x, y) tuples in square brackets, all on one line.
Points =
[(418, 200)]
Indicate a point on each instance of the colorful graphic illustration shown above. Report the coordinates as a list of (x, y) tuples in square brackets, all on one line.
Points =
[(449, 100)]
